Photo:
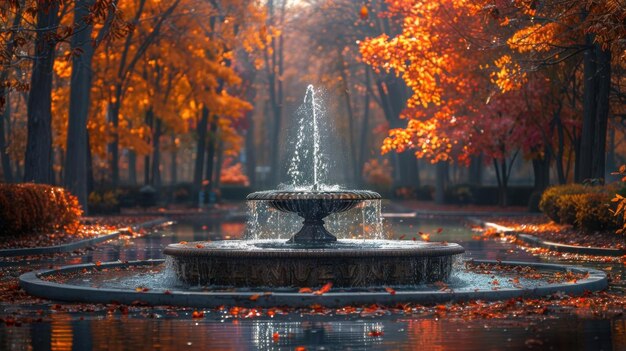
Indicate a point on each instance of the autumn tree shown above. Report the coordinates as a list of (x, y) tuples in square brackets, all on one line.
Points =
[(451, 64), (558, 32)]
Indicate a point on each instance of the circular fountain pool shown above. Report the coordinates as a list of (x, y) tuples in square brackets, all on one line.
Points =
[(151, 283), (345, 263)]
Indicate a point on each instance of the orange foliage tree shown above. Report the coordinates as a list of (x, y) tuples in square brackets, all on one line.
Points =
[(467, 95)]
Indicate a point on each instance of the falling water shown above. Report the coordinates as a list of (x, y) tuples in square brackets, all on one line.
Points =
[(308, 171), (310, 93)]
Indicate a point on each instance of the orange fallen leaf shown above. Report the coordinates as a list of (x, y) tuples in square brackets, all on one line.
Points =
[(390, 290), (197, 314), (305, 291), (425, 236), (324, 289), (183, 242), (254, 297), (98, 263), (199, 246), (275, 336), (402, 237)]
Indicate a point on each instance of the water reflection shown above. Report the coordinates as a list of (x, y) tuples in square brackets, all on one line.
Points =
[(314, 333), (136, 332)]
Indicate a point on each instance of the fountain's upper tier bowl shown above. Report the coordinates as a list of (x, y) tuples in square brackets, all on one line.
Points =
[(321, 202)]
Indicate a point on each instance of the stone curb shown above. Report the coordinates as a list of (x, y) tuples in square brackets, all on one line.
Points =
[(69, 247), (439, 213), (552, 246), (32, 283)]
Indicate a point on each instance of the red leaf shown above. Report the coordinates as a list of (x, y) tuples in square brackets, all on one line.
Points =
[(197, 314), (324, 289)]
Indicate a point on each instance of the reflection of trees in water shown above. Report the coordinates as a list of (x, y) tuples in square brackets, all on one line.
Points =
[(338, 335), (618, 328), (142, 334)]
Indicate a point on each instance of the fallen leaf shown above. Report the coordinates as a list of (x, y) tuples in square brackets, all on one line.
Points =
[(324, 289), (197, 314)]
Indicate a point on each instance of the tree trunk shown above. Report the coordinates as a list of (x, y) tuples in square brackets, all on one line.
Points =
[(589, 112), (541, 172), (38, 163), (113, 118), (132, 167), (210, 159), (156, 154), (351, 124), (364, 127), (75, 178), (201, 129), (218, 165), (4, 155), (602, 112), (173, 162), (90, 177), (560, 171), (501, 176), (5, 101), (274, 67), (475, 173), (611, 165), (250, 151), (146, 159)]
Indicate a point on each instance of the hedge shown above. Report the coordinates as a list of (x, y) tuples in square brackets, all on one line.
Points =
[(586, 207), (31, 208)]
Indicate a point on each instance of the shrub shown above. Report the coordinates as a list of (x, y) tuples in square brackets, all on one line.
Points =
[(594, 211), (548, 204), (566, 207), (29, 208)]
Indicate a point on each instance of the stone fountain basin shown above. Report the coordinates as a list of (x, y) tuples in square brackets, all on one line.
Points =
[(345, 263), (42, 284), (313, 207), (314, 202)]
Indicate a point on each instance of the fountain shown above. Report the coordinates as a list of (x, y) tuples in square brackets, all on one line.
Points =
[(312, 256), (278, 258)]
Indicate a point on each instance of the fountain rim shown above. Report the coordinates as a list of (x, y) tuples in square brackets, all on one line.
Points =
[(427, 249), (348, 195), (35, 284)]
